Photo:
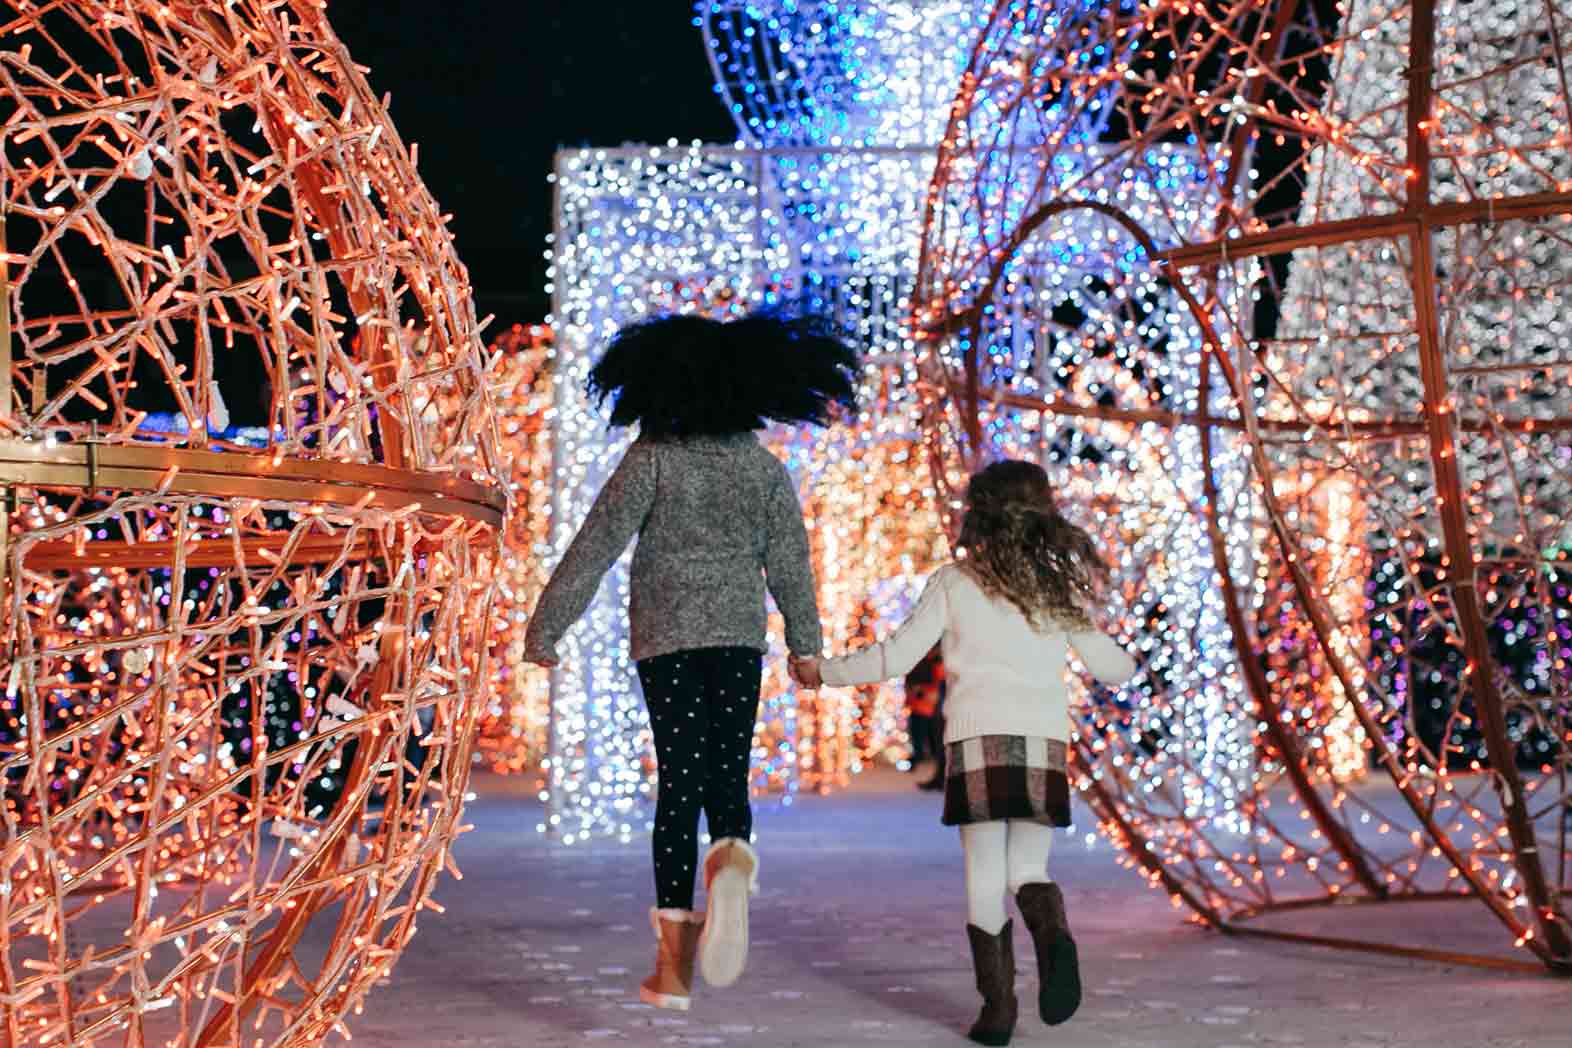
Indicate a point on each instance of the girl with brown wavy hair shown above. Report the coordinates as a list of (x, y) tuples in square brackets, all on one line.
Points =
[(1006, 615)]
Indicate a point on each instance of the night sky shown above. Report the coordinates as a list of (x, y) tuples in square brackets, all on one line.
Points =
[(490, 89)]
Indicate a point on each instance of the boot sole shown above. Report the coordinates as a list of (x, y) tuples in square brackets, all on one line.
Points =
[(723, 944), (1059, 999), (669, 1001)]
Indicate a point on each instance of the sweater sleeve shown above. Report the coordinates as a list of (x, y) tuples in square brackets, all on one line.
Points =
[(788, 566), (616, 516), (903, 649), (1101, 654)]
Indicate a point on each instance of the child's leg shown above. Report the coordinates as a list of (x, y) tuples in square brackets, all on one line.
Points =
[(984, 844), (1042, 911), (732, 679), (988, 931), (731, 868), (679, 719), (1028, 845)]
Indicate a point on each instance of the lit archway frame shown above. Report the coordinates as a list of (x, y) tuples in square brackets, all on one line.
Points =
[(1544, 929)]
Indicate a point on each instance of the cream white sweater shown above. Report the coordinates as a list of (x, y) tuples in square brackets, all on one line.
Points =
[(1004, 676)]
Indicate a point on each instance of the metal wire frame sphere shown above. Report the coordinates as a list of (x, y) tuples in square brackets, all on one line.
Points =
[(251, 518), (1314, 357)]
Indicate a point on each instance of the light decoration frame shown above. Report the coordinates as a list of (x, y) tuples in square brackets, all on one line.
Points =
[(643, 230), (1374, 266), (822, 205), (243, 665), (824, 199)]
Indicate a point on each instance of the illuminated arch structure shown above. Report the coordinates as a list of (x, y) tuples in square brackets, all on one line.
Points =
[(841, 106), (1340, 338), (248, 561), (787, 212), (643, 230)]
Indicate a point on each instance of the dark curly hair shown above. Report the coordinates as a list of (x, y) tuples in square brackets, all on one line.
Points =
[(689, 375), (1020, 547)]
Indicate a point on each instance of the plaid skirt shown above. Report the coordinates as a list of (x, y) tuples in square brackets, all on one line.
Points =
[(1006, 777)]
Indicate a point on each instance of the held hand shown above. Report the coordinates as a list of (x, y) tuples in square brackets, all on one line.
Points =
[(805, 671)]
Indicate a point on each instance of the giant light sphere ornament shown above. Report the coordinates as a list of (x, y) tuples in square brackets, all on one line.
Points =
[(241, 663), (1353, 298)]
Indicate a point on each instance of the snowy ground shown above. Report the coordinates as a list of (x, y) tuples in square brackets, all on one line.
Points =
[(859, 939)]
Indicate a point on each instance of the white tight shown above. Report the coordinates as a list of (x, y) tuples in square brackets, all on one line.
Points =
[(1000, 857)]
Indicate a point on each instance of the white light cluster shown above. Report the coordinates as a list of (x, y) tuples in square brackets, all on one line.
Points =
[(822, 204), (721, 230), (647, 229)]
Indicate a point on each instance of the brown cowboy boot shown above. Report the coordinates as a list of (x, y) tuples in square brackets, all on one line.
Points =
[(677, 936), (1058, 968), (731, 874), (993, 958)]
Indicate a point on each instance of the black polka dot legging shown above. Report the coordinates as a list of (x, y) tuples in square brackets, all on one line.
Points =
[(703, 703)]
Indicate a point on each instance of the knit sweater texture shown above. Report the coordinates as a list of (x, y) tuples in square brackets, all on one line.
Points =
[(718, 522), (1006, 677)]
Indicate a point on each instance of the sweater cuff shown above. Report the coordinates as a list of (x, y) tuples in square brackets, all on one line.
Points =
[(806, 646), (838, 672), (539, 652)]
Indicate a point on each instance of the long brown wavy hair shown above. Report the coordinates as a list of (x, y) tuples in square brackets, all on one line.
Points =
[(1020, 547)]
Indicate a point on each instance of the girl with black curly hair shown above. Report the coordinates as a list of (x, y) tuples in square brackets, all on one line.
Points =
[(1006, 615), (718, 522)]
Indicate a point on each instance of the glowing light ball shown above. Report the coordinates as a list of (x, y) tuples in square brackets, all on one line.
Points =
[(248, 561), (1313, 391)]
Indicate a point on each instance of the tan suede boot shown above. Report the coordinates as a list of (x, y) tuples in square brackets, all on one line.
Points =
[(677, 936), (731, 874)]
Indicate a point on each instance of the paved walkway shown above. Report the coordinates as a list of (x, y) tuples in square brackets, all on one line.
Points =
[(859, 939)]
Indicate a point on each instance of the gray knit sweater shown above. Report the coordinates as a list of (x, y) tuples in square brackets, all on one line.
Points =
[(717, 520)]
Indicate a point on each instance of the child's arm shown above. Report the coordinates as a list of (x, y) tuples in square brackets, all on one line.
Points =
[(788, 568), (1101, 654), (616, 516), (903, 649)]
